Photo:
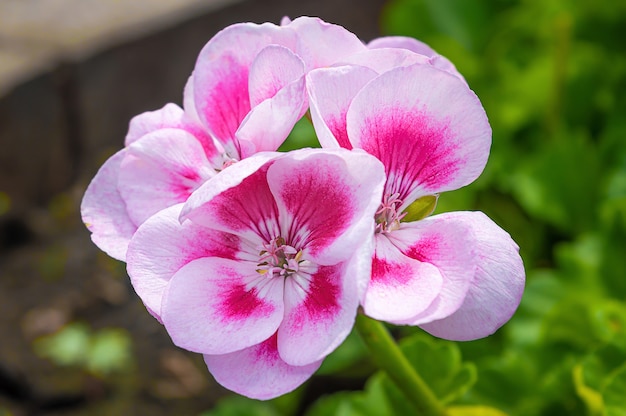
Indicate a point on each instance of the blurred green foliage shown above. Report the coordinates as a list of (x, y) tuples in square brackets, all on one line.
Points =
[(552, 78), (98, 352)]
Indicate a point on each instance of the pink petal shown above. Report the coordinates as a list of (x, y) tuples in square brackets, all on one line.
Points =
[(217, 306), (416, 46), (238, 200), (268, 124), (320, 309), (496, 289), (258, 372), (326, 200), (322, 44), (429, 130), (220, 79), (172, 117), (402, 42), (385, 59), (331, 91), (162, 245), (144, 123), (160, 170), (401, 287), (104, 212), (445, 243), (273, 68)]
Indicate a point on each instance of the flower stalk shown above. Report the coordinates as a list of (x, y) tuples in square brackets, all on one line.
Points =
[(388, 357)]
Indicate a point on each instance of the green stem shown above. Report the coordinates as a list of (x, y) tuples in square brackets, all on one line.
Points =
[(390, 359)]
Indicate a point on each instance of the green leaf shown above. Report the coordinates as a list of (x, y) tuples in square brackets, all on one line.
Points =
[(241, 406), (439, 364), (347, 359), (553, 186), (110, 351), (69, 346), (592, 398), (474, 411), (614, 392), (372, 401)]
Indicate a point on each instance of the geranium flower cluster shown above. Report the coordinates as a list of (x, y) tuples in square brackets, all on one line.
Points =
[(260, 260)]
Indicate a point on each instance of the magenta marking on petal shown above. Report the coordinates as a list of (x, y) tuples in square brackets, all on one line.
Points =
[(212, 243), (337, 126), (425, 249), (312, 194), (227, 102), (241, 303), (268, 350), (390, 274), (416, 149), (248, 206), (322, 299)]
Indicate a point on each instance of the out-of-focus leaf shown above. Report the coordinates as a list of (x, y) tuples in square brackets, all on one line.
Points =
[(347, 358), (439, 364), (110, 350), (241, 406), (474, 411), (69, 346), (560, 184), (614, 392), (592, 398), (101, 352), (373, 401)]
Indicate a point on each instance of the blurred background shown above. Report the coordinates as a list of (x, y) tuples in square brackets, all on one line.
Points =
[(74, 338)]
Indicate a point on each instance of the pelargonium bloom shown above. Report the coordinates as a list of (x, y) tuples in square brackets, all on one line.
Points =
[(457, 275), (262, 269), (245, 95)]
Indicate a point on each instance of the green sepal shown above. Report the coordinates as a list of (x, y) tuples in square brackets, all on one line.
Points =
[(421, 208)]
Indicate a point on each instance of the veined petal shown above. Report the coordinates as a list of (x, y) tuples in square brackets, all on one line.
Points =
[(331, 91), (258, 372), (104, 212), (403, 42), (162, 245), (320, 309), (160, 170), (268, 124), (496, 289), (217, 306), (238, 200), (322, 44), (221, 95), (326, 200), (429, 130), (401, 286), (445, 243)]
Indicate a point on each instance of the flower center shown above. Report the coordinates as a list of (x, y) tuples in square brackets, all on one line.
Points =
[(387, 217), (278, 259)]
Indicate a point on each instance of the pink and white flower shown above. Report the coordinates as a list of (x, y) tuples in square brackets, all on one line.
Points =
[(458, 276), (262, 269), (245, 95)]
